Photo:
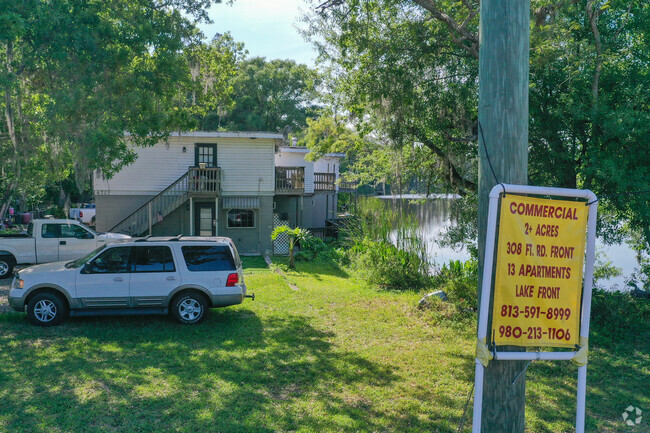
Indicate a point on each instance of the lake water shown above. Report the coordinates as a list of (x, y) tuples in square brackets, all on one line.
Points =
[(434, 216)]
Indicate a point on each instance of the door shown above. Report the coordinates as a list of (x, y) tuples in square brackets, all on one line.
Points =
[(205, 154), (104, 281), (47, 247), (205, 223), (154, 275), (75, 242)]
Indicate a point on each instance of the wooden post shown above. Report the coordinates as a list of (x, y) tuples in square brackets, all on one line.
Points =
[(150, 223), (503, 116), (216, 216), (191, 217)]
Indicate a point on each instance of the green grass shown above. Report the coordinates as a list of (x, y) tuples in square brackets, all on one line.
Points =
[(317, 353)]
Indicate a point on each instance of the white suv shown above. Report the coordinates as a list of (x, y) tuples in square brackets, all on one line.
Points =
[(184, 276)]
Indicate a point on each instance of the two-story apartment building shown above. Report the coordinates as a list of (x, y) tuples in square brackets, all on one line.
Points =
[(235, 184)]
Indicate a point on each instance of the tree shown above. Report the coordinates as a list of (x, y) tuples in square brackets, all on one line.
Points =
[(269, 95), (590, 107), (411, 67), (212, 67), (295, 235), (396, 69), (76, 76)]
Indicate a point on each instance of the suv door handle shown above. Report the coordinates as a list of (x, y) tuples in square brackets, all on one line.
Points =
[(171, 278), (62, 242), (118, 279)]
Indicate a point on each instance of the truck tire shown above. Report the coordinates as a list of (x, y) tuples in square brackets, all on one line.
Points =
[(46, 309), (189, 308), (7, 264)]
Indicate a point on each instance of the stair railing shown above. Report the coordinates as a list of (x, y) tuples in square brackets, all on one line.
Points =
[(155, 209)]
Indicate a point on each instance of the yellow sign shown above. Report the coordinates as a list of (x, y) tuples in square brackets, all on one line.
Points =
[(538, 280)]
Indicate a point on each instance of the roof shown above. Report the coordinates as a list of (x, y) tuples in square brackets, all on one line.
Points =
[(229, 134), (303, 149)]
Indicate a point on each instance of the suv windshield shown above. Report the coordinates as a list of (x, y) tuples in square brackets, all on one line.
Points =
[(82, 261)]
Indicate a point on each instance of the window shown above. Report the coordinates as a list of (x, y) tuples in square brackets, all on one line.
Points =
[(49, 231), (241, 218), (154, 259), (72, 231), (112, 261), (208, 258)]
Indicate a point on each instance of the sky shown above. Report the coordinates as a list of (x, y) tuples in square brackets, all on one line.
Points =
[(266, 27)]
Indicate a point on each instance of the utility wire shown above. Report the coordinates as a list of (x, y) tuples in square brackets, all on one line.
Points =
[(487, 154), (496, 180), (620, 193)]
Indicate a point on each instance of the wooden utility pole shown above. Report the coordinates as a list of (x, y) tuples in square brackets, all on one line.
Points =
[(503, 116)]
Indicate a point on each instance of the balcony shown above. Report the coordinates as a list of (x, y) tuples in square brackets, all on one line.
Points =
[(349, 186), (204, 181), (289, 180), (324, 182)]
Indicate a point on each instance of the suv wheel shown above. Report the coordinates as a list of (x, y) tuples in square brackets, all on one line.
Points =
[(6, 266), (46, 309), (189, 308)]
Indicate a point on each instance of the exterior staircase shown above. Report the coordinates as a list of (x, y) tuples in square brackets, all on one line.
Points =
[(197, 181)]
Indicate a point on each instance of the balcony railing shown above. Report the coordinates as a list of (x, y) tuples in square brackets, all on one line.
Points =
[(324, 181), (204, 180), (289, 180), (348, 186)]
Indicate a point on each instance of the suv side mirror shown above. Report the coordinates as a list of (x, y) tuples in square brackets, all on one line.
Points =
[(87, 269)]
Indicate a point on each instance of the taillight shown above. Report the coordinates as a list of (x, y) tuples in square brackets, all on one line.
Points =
[(232, 280), (81, 214)]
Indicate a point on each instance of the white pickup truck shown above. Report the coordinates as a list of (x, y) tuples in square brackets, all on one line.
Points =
[(50, 240), (84, 214)]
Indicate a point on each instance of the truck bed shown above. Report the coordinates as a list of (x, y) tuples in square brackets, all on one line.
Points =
[(14, 235)]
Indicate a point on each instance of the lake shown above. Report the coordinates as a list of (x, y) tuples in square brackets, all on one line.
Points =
[(434, 216)]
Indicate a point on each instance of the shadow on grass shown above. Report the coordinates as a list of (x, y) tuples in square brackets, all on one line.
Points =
[(315, 269), (253, 263), (232, 373)]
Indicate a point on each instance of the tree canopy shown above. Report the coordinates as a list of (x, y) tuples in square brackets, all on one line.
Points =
[(408, 70), (77, 76), (268, 95)]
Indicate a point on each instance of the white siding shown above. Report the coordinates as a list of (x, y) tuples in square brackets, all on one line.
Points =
[(244, 163), (327, 164), (242, 160)]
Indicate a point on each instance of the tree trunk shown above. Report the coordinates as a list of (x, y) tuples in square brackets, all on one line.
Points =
[(11, 130), (503, 120), (292, 263)]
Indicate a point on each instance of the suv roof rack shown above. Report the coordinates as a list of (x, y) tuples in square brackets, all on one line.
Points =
[(177, 238), (144, 239)]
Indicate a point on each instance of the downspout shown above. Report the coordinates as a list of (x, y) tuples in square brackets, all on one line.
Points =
[(259, 212)]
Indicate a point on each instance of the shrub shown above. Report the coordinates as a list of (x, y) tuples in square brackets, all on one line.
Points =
[(386, 247), (460, 281), (617, 317), (386, 266)]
